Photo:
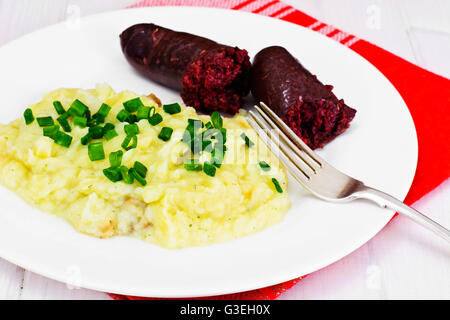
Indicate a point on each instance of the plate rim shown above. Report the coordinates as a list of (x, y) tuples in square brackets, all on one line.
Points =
[(263, 284)]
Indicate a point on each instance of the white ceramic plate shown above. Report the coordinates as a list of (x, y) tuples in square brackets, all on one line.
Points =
[(380, 148)]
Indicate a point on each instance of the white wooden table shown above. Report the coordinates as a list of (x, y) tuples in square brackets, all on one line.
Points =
[(403, 261)]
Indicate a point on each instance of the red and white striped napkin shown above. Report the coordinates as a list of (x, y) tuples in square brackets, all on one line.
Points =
[(426, 94)]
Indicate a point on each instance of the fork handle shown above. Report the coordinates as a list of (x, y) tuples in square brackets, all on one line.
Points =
[(386, 201)]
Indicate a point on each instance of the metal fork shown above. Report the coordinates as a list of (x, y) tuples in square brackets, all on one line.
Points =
[(318, 176)]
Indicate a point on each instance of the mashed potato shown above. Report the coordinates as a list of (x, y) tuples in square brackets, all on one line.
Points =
[(176, 208)]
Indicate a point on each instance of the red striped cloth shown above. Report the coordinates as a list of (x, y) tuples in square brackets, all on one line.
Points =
[(426, 94)]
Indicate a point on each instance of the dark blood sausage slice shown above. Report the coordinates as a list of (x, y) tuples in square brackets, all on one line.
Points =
[(210, 76), (309, 107)]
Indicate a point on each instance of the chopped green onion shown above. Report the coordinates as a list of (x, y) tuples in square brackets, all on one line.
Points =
[(78, 108), (206, 144), (96, 152), (127, 178), (86, 139), (131, 129), (51, 131), (209, 169), (115, 158), (63, 139), (155, 119), (123, 115), (196, 123), (132, 172), (28, 115), (94, 121), (216, 120), (87, 115), (217, 157), (264, 166), (165, 133), (126, 143), (45, 121), (193, 165), (247, 140), (223, 132), (209, 133), (140, 168), (107, 127), (172, 108), (97, 132), (133, 104), (63, 122), (80, 121), (143, 112), (110, 134), (209, 125), (59, 107), (113, 174), (132, 119), (102, 112), (277, 185)]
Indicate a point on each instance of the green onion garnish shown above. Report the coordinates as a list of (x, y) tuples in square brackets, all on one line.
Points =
[(132, 172), (155, 119), (63, 139), (209, 169), (127, 178), (59, 107), (195, 123), (209, 125), (172, 108), (107, 127), (28, 115), (140, 168), (115, 158), (45, 121), (264, 166), (193, 165), (51, 131), (86, 139), (131, 129), (102, 112), (80, 121), (247, 140), (217, 157), (143, 112), (133, 104), (216, 120), (123, 115), (165, 133), (97, 132), (78, 108), (63, 122), (96, 152), (277, 185), (113, 174), (110, 134), (132, 119), (206, 144), (126, 142)]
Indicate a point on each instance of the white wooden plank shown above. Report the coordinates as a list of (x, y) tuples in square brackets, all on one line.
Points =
[(11, 277), (39, 287), (375, 21), (18, 17), (416, 263)]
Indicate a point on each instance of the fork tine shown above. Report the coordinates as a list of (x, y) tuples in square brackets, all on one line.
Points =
[(270, 116), (294, 168), (300, 153)]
